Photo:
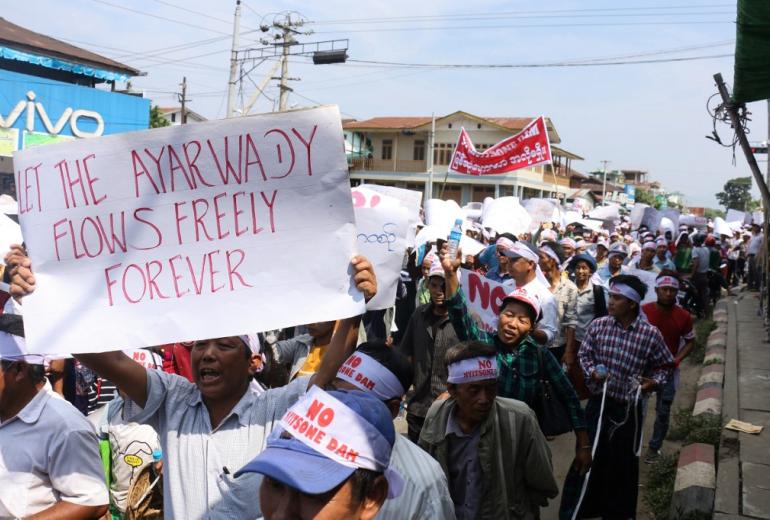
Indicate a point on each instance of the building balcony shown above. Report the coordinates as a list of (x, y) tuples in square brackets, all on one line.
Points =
[(385, 165)]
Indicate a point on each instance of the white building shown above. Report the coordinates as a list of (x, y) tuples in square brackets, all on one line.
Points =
[(393, 151), (174, 115)]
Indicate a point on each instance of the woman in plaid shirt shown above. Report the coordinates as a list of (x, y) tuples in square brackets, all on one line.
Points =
[(517, 356)]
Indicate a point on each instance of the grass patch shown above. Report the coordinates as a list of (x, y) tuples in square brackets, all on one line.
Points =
[(705, 428), (660, 486), (702, 330)]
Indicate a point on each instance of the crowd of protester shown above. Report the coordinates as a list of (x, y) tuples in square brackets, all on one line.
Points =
[(230, 427)]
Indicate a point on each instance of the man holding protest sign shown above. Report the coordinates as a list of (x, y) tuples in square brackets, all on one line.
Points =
[(217, 416)]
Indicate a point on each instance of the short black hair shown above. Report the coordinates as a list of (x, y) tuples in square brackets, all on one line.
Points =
[(363, 482), (468, 350), (35, 372), (556, 248), (391, 359), (632, 281)]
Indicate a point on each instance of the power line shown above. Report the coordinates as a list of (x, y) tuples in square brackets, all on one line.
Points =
[(200, 13), (498, 14), (164, 18), (523, 26)]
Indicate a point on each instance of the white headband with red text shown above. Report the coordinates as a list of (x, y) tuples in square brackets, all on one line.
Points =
[(473, 369), (369, 375)]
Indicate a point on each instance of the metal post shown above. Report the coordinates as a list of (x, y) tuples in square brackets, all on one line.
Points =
[(732, 111), (604, 182), (431, 143), (284, 86), (183, 100), (234, 61)]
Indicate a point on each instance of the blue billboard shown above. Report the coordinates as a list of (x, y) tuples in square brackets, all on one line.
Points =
[(35, 111), (630, 190)]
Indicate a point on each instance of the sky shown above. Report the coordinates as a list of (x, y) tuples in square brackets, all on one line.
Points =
[(645, 116)]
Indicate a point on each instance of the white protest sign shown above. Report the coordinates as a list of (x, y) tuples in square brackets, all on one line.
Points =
[(410, 199), (733, 215), (188, 232), (470, 246), (651, 219), (637, 214), (506, 215), (541, 210), (673, 215), (648, 278), (757, 218), (442, 214), (721, 227), (667, 226), (381, 238), (610, 212), (483, 298)]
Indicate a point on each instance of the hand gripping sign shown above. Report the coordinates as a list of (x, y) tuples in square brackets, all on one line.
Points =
[(188, 232)]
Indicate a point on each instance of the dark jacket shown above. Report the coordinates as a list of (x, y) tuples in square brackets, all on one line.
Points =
[(512, 453)]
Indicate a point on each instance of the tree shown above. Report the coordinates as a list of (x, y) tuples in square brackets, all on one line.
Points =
[(736, 194), (157, 119), (712, 213), (645, 197)]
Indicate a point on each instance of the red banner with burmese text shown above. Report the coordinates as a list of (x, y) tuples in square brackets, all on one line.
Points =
[(528, 148)]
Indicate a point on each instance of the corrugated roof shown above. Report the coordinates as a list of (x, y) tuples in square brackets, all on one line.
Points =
[(394, 123), (20, 38)]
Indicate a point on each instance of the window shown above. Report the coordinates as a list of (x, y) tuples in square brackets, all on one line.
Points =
[(419, 151), (442, 153), (173, 117), (449, 126), (387, 149), (478, 125)]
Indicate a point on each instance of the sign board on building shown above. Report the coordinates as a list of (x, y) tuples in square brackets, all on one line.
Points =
[(35, 111)]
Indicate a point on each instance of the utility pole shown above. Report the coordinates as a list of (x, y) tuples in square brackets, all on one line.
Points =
[(284, 86), (234, 61), (604, 181), (429, 187), (183, 100)]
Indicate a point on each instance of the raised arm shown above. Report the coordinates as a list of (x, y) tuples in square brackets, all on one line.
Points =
[(346, 335), (127, 375)]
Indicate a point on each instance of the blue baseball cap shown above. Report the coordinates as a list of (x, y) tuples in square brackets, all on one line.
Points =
[(297, 465), (583, 257)]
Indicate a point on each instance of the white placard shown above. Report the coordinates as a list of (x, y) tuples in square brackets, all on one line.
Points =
[(188, 232), (721, 227), (541, 210), (483, 298), (610, 212), (652, 218), (410, 199), (673, 215), (637, 215), (506, 215), (757, 218), (733, 215), (381, 237), (442, 214)]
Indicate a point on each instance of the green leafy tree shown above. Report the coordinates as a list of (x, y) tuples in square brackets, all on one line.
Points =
[(736, 194), (713, 213), (646, 197), (157, 119)]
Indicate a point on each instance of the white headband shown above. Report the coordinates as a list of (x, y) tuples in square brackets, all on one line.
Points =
[(473, 369), (667, 281), (252, 341), (650, 245), (625, 290), (523, 251), (550, 252), (368, 374), (326, 425)]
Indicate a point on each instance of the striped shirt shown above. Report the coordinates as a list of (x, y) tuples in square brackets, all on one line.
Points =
[(630, 353), (425, 494), (200, 460), (566, 314)]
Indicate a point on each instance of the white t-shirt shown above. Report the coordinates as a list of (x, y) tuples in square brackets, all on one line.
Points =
[(48, 453)]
